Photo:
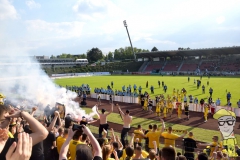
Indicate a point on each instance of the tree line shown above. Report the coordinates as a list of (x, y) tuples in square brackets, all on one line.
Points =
[(95, 54)]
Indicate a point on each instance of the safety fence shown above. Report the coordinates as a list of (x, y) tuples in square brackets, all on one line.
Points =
[(192, 106)]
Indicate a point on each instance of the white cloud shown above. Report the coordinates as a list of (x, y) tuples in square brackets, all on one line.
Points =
[(7, 10), (61, 30), (220, 19), (95, 9), (32, 4)]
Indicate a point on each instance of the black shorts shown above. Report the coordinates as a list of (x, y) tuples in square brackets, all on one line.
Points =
[(186, 113)]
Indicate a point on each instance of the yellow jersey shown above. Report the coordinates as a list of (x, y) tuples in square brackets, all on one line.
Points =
[(153, 136), (169, 139), (213, 146), (138, 134), (124, 155), (72, 148), (60, 140)]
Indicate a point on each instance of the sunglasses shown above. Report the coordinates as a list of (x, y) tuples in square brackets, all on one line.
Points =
[(230, 122)]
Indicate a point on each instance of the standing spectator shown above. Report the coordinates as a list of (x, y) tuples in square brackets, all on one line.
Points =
[(154, 135), (49, 143), (229, 96), (78, 138), (218, 102), (138, 136), (159, 84), (210, 91), (147, 84), (169, 137), (150, 127), (61, 139), (127, 120), (38, 132), (202, 156), (103, 120), (213, 145), (168, 153), (189, 146)]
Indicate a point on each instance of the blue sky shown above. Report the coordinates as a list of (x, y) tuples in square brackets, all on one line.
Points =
[(53, 27)]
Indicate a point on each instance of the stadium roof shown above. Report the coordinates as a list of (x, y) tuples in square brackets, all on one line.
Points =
[(191, 52)]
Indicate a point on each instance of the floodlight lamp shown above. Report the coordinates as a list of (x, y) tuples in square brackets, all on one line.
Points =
[(125, 23)]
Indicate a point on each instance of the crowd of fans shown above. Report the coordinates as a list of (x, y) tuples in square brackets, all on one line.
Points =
[(23, 137)]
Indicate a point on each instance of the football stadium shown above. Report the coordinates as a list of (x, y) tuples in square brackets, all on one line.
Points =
[(61, 100), (186, 89)]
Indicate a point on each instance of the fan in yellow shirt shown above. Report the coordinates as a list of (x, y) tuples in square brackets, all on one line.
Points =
[(62, 138), (78, 138), (169, 137), (124, 155), (154, 135), (213, 145), (138, 135)]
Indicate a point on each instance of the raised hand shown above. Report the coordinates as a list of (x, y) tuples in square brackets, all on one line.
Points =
[(21, 150)]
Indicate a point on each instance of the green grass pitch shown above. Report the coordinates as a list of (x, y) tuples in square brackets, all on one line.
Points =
[(220, 85)]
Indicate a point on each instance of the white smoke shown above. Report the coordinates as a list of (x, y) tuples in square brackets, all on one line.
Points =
[(23, 82)]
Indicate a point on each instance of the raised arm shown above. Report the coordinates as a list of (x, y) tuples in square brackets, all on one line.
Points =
[(163, 125), (113, 135), (51, 126), (94, 142), (93, 121), (131, 141), (97, 110), (110, 110), (120, 111), (184, 134), (39, 131), (33, 111), (120, 143)]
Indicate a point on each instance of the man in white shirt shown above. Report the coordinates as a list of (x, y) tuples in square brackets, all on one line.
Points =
[(127, 120)]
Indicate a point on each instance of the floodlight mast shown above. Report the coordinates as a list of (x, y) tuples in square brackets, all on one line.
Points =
[(125, 25)]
